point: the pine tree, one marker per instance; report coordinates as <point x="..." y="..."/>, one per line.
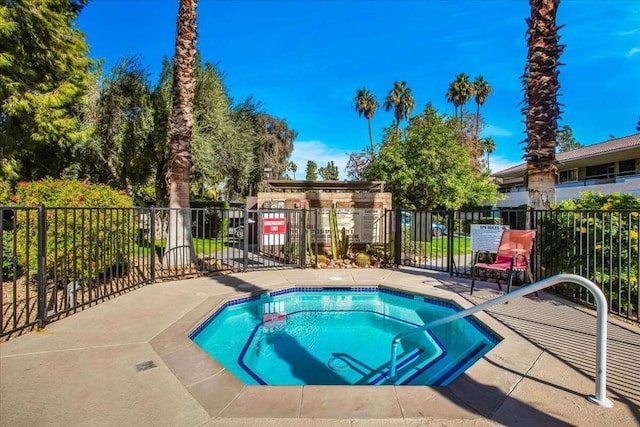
<point x="45" y="73"/>
<point x="312" y="171"/>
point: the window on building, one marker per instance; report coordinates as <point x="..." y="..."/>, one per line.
<point x="568" y="175"/>
<point x="627" y="167"/>
<point x="606" y="170"/>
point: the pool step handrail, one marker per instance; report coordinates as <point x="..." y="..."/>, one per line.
<point x="600" y="396"/>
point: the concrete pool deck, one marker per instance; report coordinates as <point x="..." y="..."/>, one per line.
<point x="88" y="369"/>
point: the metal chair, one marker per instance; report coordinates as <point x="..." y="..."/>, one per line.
<point x="514" y="252"/>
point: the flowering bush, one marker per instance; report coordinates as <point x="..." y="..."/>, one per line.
<point x="89" y="227"/>
<point x="596" y="236"/>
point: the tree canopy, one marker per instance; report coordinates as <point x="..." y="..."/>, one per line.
<point x="45" y="73"/>
<point x="311" y="173"/>
<point x="329" y="172"/>
<point x="430" y="168"/>
<point x="400" y="100"/>
<point x="566" y="140"/>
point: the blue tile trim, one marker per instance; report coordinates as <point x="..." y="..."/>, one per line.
<point x="443" y="378"/>
<point x="486" y="332"/>
<point x="209" y="319"/>
<point x="316" y="289"/>
<point x="206" y="323"/>
<point x="424" y="368"/>
<point x="480" y="327"/>
<point x="403" y="362"/>
<point x="396" y="293"/>
<point x="442" y="303"/>
<point x="244" y="352"/>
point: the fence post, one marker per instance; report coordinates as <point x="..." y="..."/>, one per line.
<point x="152" y="243"/>
<point x="303" y="238"/>
<point x="315" y="234"/>
<point x="398" y="238"/>
<point x="531" y="221"/>
<point x="42" y="267"/>
<point x="450" y="226"/>
<point x="245" y="239"/>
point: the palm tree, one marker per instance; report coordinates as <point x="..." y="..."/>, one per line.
<point x="465" y="91"/>
<point x="481" y="89"/>
<point x="179" y="250"/>
<point x="367" y="104"/>
<point x="460" y="91"/>
<point x="293" y="168"/>
<point x="488" y="146"/>
<point x="541" y="107"/>
<point x="401" y="100"/>
<point x="451" y="97"/>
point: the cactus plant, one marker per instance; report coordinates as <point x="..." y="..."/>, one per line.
<point x="344" y="243"/>
<point x="333" y="230"/>
<point x="307" y="219"/>
<point x="363" y="260"/>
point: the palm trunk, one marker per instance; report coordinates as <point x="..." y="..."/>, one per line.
<point x="478" y="124"/>
<point x="179" y="250"/>
<point x="541" y="105"/>
<point x="542" y="190"/>
<point x="476" y="142"/>
<point x="371" y="140"/>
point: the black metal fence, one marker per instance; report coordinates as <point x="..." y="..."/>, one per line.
<point x="601" y="245"/>
<point x="56" y="261"/>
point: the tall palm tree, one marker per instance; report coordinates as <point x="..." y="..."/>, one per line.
<point x="179" y="248"/>
<point x="293" y="168"/>
<point x="488" y="146"/>
<point x="541" y="107"/>
<point x="451" y="97"/>
<point x="460" y="91"/>
<point x="464" y="90"/>
<point x="481" y="89"/>
<point x="367" y="104"/>
<point x="401" y="100"/>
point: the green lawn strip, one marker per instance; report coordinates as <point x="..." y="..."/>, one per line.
<point x="438" y="246"/>
<point x="201" y="246"/>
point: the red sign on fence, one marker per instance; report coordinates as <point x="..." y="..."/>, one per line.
<point x="274" y="225"/>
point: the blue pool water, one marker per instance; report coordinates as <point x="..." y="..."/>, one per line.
<point x="340" y="336"/>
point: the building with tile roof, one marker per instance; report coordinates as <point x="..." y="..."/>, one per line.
<point x="606" y="167"/>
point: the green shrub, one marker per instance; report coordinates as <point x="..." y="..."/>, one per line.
<point x="10" y="261"/>
<point x="595" y="236"/>
<point x="89" y="228"/>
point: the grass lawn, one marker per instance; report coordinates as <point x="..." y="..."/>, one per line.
<point x="438" y="246"/>
<point x="201" y="246"/>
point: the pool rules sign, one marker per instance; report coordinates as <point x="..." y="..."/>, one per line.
<point x="274" y="229"/>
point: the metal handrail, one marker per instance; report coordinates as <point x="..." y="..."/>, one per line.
<point x="600" y="396"/>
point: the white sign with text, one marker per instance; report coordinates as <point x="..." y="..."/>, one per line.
<point x="361" y="225"/>
<point x="486" y="237"/>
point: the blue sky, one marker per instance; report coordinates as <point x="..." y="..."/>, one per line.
<point x="304" y="60"/>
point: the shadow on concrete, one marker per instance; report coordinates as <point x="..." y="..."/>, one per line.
<point x="571" y="338"/>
